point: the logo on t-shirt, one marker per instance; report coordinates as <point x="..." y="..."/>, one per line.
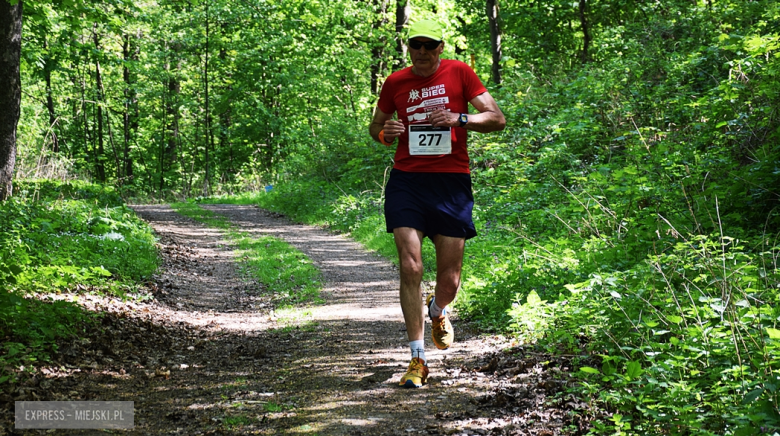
<point x="433" y="91"/>
<point x="427" y="103"/>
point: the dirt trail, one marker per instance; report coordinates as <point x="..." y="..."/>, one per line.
<point x="210" y="355"/>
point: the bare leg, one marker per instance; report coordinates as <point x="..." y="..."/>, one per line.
<point x="449" y="262"/>
<point x="408" y="241"/>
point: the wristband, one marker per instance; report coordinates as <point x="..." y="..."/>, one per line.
<point x="382" y="138"/>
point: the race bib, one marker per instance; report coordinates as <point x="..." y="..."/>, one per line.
<point x="424" y="139"/>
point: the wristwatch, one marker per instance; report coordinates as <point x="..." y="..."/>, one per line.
<point x="464" y="118"/>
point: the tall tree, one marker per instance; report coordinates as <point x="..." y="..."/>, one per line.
<point x="172" y="102"/>
<point x="100" y="167"/>
<point x="377" y="51"/>
<point x="130" y="53"/>
<point x="225" y="110"/>
<point x="585" y="30"/>
<point x="402" y="12"/>
<point x="10" y="90"/>
<point x="209" y="135"/>
<point x="48" y="66"/>
<point x="495" y="40"/>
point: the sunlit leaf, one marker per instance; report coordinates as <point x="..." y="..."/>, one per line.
<point x="633" y="369"/>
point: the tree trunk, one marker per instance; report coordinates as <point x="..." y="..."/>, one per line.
<point x="495" y="40"/>
<point x="130" y="115"/>
<point x="84" y="110"/>
<point x="209" y="136"/>
<point x="585" y="30"/>
<point x="377" y="51"/>
<point x="126" y="111"/>
<point x="100" y="168"/>
<point x="172" y="106"/>
<point x="161" y="156"/>
<point x="402" y="12"/>
<point x="10" y="91"/>
<point x="101" y="101"/>
<point x="55" y="144"/>
<point x="226" y="119"/>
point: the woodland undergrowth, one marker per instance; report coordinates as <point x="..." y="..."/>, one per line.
<point x="59" y="241"/>
<point x="629" y="213"/>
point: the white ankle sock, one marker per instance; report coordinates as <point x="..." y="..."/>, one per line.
<point x="418" y="348"/>
<point x="435" y="311"/>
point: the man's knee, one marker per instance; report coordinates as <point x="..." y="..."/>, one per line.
<point x="448" y="286"/>
<point x="411" y="267"/>
<point x="408" y="241"/>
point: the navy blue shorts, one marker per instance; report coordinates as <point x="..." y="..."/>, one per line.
<point x="434" y="203"/>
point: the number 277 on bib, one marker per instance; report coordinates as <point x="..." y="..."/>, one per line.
<point x="424" y="139"/>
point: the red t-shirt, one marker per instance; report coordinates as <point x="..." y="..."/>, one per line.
<point x="451" y="87"/>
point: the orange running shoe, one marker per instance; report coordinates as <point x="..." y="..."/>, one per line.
<point x="442" y="332"/>
<point x="416" y="375"/>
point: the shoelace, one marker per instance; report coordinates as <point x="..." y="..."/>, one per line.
<point x="415" y="365"/>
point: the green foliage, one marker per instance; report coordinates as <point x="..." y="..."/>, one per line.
<point x="235" y="422"/>
<point x="63" y="237"/>
<point x="629" y="211"/>
<point x="284" y="272"/>
<point x="230" y="89"/>
<point x="692" y="331"/>
<point x="30" y="327"/>
<point x="51" y="190"/>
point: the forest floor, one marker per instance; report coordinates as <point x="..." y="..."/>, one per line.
<point x="210" y="355"/>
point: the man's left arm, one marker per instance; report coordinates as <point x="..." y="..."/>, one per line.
<point x="489" y="119"/>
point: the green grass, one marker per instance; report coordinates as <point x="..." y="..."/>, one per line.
<point x="287" y="274"/>
<point x="234" y="422"/>
<point x="293" y="326"/>
<point x="274" y="407"/>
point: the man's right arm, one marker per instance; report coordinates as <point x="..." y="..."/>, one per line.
<point x="384" y="121"/>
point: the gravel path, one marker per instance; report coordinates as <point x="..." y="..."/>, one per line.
<point x="209" y="355"/>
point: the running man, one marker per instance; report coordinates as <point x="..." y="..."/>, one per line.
<point x="429" y="190"/>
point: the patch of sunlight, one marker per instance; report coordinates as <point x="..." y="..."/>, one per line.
<point x="306" y="428"/>
<point x="292" y="314"/>
<point x="347" y="312"/>
<point x="335" y="402"/>
<point x="344" y="263"/>
<point x="328" y="404"/>
<point x="362" y="422"/>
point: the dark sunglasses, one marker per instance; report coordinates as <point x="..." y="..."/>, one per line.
<point x="430" y="45"/>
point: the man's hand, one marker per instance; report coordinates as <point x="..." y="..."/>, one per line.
<point x="393" y="129"/>
<point x="385" y="122"/>
<point x="442" y="118"/>
<point x="489" y="118"/>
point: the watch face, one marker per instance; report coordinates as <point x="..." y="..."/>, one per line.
<point x="464" y="119"/>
